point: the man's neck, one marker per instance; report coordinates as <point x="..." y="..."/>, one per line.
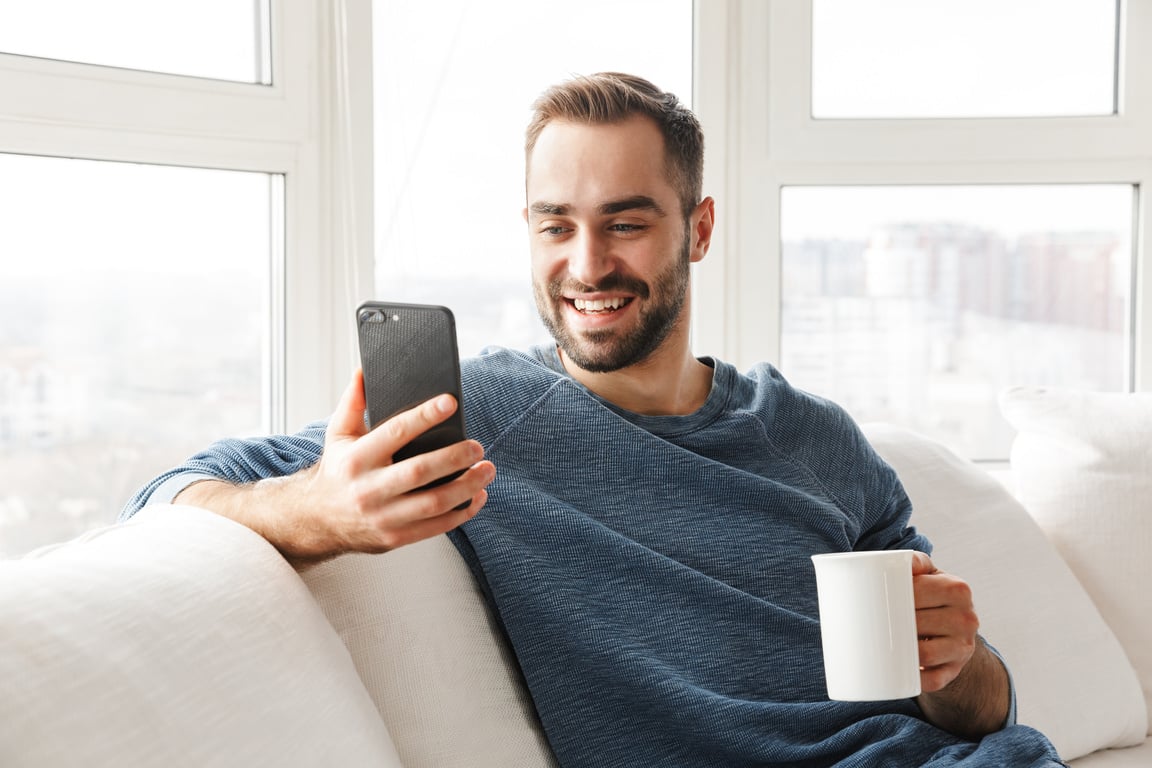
<point x="664" y="384"/>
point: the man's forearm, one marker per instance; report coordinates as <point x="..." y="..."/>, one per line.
<point x="265" y="507"/>
<point x="977" y="702"/>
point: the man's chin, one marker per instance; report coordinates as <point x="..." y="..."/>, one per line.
<point x="600" y="352"/>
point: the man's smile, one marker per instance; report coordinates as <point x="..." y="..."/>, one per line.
<point x="598" y="306"/>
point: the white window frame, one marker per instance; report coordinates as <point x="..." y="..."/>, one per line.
<point x="753" y="77"/>
<point x="312" y="125"/>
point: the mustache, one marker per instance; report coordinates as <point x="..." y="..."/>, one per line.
<point x="613" y="282"/>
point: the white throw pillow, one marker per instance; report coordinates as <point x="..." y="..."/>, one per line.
<point x="1073" y="681"/>
<point x="1082" y="464"/>
<point x="178" y="639"/>
<point x="432" y="658"/>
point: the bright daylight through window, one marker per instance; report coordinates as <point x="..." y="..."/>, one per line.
<point x="132" y="333"/>
<point x="963" y="58"/>
<point x="220" y="39"/>
<point x="454" y="81"/>
<point x="917" y="306"/>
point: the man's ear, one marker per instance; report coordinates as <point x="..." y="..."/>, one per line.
<point x="524" y="213"/>
<point x="702" y="221"/>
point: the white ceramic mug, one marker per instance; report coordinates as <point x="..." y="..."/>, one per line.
<point x="868" y="625"/>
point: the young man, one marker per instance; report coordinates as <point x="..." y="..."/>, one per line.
<point x="646" y="543"/>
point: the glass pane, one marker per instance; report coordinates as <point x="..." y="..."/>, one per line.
<point x="134" y="324"/>
<point x="963" y="58"/>
<point x="454" y="82"/>
<point x="919" y="305"/>
<point x="220" y="39"/>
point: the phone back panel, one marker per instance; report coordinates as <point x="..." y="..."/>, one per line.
<point x="409" y="355"/>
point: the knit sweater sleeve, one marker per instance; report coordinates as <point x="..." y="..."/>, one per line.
<point x="236" y="461"/>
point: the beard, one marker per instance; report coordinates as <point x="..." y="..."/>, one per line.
<point x="604" y="351"/>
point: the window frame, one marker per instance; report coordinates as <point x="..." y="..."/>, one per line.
<point x="753" y="72"/>
<point x="312" y="126"/>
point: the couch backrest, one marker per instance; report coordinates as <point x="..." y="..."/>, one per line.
<point x="1082" y="465"/>
<point x="431" y="657"/>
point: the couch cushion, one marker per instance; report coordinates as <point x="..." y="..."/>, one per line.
<point x="177" y="639"/>
<point x="431" y="657"/>
<point x="1073" y="681"/>
<point x="1129" y="757"/>
<point x="1082" y="464"/>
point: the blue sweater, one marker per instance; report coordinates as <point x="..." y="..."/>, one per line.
<point x="652" y="574"/>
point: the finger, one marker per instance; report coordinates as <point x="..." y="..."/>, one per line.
<point x="426" y="528"/>
<point x="399" y="492"/>
<point x="396" y="432"/>
<point x="937" y="677"/>
<point x="461" y="492"/>
<point x="935" y="622"/>
<point x="348" y="420"/>
<point x="922" y="564"/>
<point x="941" y="590"/>
<point x="454" y="462"/>
<point x="943" y="651"/>
<point x="418" y="471"/>
<point x="429" y="512"/>
<point x="942" y="660"/>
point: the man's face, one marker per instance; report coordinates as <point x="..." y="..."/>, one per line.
<point x="610" y="247"/>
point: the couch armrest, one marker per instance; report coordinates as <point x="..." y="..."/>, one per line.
<point x="178" y="639"/>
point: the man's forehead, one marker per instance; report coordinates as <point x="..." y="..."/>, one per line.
<point x="636" y="130"/>
<point x="598" y="168"/>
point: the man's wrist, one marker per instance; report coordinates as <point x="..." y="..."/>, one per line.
<point x="977" y="702"/>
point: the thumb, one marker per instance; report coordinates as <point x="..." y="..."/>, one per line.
<point x="922" y="564"/>
<point x="348" y="420"/>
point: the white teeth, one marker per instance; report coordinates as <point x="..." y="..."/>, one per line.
<point x="598" y="305"/>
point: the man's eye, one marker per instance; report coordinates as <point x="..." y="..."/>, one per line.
<point x="623" y="227"/>
<point x="554" y="230"/>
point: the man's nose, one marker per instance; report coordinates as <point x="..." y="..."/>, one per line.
<point x="589" y="261"/>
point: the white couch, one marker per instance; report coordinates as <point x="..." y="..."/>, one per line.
<point x="183" y="639"/>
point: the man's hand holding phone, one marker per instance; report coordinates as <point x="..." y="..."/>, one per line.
<point x="357" y="498"/>
<point x="375" y="503"/>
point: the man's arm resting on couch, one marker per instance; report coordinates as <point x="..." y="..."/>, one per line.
<point x="355" y="498"/>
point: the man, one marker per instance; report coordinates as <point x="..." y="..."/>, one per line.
<point x="646" y="543"/>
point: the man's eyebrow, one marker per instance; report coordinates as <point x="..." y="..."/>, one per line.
<point x="634" y="203"/>
<point x="548" y="209"/>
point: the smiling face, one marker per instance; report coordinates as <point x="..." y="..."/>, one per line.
<point x="610" y="247"/>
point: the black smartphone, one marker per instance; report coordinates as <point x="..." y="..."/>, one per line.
<point x="409" y="355"/>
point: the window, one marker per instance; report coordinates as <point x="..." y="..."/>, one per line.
<point x="222" y="39"/>
<point x="911" y="249"/>
<point x="918" y="305"/>
<point x="454" y="82"/>
<point x="963" y="58"/>
<point x="131" y="335"/>
<point x="172" y="268"/>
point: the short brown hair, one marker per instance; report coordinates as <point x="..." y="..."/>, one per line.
<point x="612" y="97"/>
